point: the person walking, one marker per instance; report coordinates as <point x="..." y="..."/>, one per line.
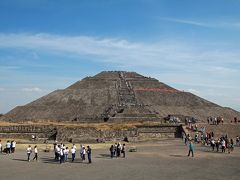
<point x="8" y="147"/>
<point x="191" y="148"/>
<point x="0" y="146"/>
<point x="123" y="150"/>
<point x="35" y="153"/>
<point x="83" y="153"/>
<point x="111" y="151"/>
<point x="237" y="141"/>
<point x="217" y="145"/>
<point x="89" y="153"/>
<point x="119" y="149"/>
<point x="115" y="149"/>
<point x="29" y="151"/>
<point x="213" y="144"/>
<point x="61" y="159"/>
<point x="223" y="143"/>
<point x="13" y="146"/>
<point x="230" y="146"/>
<point x="73" y="151"/>
<point x="66" y="151"/>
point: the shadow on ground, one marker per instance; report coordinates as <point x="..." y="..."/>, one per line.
<point x="106" y="156"/>
<point x="20" y="159"/>
<point x="177" y="155"/>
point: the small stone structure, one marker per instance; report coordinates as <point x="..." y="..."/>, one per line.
<point x="26" y="131"/>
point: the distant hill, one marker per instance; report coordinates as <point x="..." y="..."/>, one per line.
<point x="117" y="96"/>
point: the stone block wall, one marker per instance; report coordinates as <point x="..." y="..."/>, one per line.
<point x="80" y="134"/>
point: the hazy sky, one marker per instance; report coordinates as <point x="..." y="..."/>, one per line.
<point x="192" y="45"/>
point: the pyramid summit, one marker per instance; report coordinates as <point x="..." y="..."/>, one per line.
<point x="117" y="96"/>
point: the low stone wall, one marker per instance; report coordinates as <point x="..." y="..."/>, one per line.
<point x="92" y="135"/>
<point x="80" y="134"/>
<point x="26" y="131"/>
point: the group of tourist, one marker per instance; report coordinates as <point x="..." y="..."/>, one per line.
<point x="235" y="120"/>
<point x="222" y="143"/>
<point x="9" y="147"/>
<point x="29" y="152"/>
<point x="215" y="120"/>
<point x="117" y="149"/>
<point x="62" y="153"/>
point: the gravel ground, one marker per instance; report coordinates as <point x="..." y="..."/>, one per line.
<point x="153" y="160"/>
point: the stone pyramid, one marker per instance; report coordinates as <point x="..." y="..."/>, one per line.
<point x="117" y="96"/>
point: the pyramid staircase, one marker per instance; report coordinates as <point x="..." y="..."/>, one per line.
<point x="128" y="108"/>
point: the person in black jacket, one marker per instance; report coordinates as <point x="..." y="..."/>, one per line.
<point x="89" y="153"/>
<point x="111" y="151"/>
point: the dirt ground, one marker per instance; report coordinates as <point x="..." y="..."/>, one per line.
<point x="166" y="159"/>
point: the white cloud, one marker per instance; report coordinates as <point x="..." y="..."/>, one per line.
<point x="209" y="24"/>
<point x="184" y="21"/>
<point x="34" y="89"/>
<point x="120" y="51"/>
<point x="190" y="64"/>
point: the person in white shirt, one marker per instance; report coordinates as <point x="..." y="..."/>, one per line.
<point x="35" y="153"/>
<point x="0" y="146"/>
<point x="83" y="153"/>
<point x="13" y="146"/>
<point x="213" y="144"/>
<point x="73" y="151"/>
<point x="56" y="152"/>
<point x="61" y="154"/>
<point x="223" y="145"/>
<point x="58" y="149"/>
<point x="8" y="147"/>
<point x="66" y="151"/>
<point x="29" y="151"/>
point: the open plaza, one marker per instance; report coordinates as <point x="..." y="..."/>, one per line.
<point x="164" y="159"/>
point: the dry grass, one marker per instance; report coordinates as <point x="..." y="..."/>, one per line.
<point x="5" y="123"/>
<point x="98" y="126"/>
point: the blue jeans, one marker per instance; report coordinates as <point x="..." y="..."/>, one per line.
<point x="89" y="158"/>
<point x="28" y="156"/>
<point x="73" y="156"/>
<point x="66" y="157"/>
<point x="61" y="159"/>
